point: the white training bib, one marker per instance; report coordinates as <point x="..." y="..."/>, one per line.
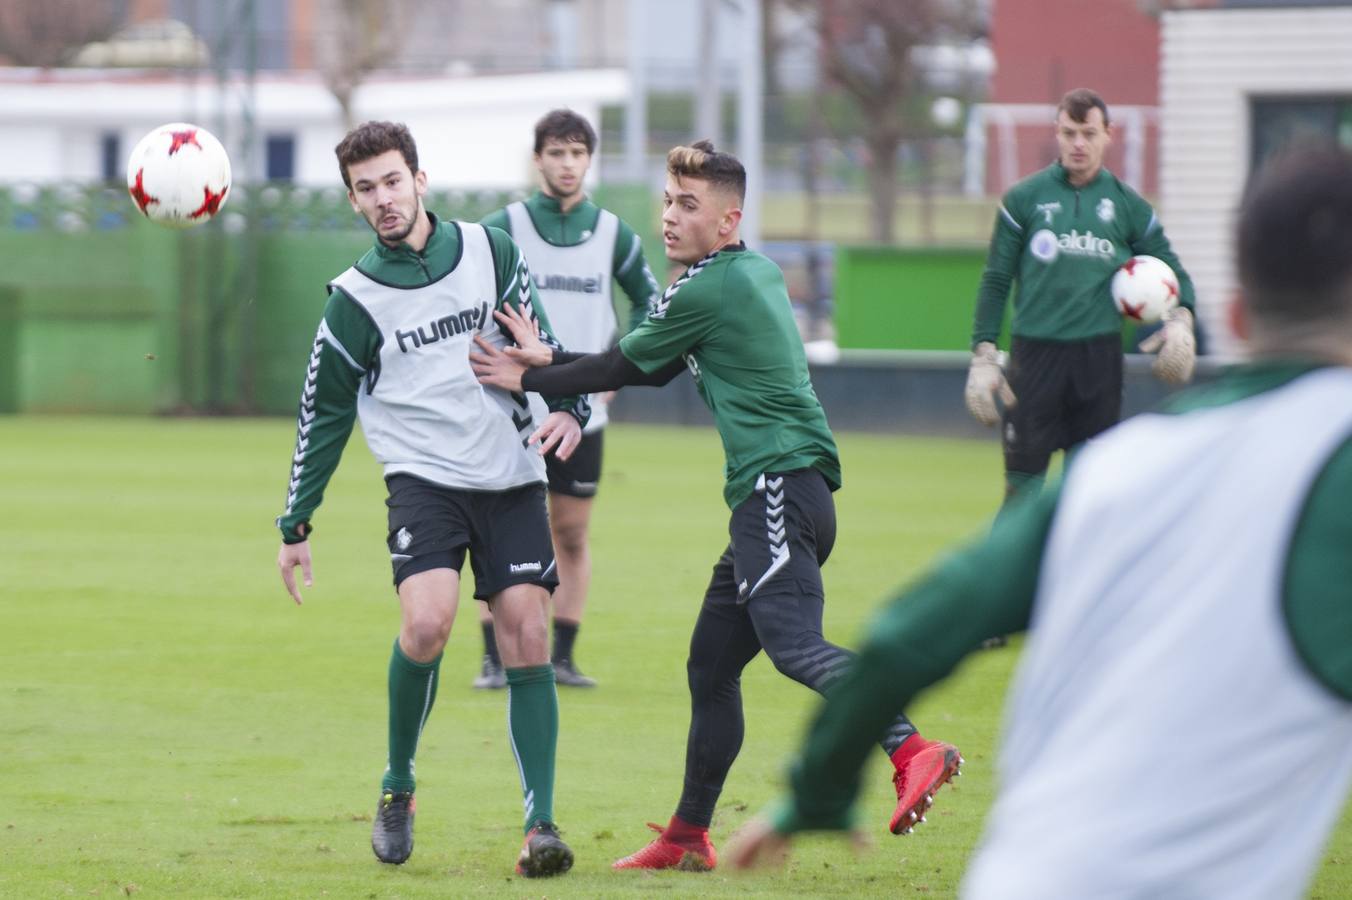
<point x="1154" y="702"/>
<point x="575" y="285"/>
<point x="423" y="411"/>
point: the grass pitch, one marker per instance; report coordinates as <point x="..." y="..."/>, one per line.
<point x="172" y="725"/>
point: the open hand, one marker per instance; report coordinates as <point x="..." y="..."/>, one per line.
<point x="525" y="331"/>
<point x="495" y="367"/>
<point x="560" y="432"/>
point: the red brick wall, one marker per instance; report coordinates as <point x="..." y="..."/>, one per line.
<point x="1044" y="48"/>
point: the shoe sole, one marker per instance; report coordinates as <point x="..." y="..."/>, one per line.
<point x="690" y="861"/>
<point x="546" y="863"/>
<point x="693" y="862"/>
<point x="952" y="768"/>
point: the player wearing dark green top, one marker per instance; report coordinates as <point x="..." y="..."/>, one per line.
<point x="1061" y="234"/>
<point x="576" y="250"/>
<point x="728" y="320"/>
<point x="392" y="349"/>
<point x="1231" y="646"/>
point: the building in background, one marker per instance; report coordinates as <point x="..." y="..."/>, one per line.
<point x="76" y="126"/>
<point x="1237" y="81"/>
<point x="1044" y="48"/>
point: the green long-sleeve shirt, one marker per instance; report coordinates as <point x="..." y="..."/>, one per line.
<point x="1062" y="245"/>
<point x="404" y="360"/>
<point x="989" y="587"/>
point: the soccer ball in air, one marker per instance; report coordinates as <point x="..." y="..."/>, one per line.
<point x="1144" y="289"/>
<point x="179" y="175"/>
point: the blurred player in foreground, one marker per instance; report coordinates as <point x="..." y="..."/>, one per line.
<point x="1181" y="722"/>
<point x="728" y="320"/>
<point x="575" y="250"/>
<point x="393" y="348"/>
<point x="1061" y="234"/>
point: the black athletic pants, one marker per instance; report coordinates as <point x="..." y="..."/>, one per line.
<point x="765" y="594"/>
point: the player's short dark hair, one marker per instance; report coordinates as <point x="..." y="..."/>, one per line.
<point x="701" y="160"/>
<point x="1078" y="102"/>
<point x="1294" y="236"/>
<point x="370" y="139"/>
<point x="567" y="126"/>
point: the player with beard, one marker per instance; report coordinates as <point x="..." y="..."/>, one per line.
<point x="392" y="349"/>
<point x="1061" y="234"/>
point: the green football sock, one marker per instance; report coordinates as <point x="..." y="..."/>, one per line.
<point x="533" y="726"/>
<point x="413" y="690"/>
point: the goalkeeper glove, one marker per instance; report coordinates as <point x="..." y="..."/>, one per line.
<point x="1176" y="346"/>
<point x="986" y="379"/>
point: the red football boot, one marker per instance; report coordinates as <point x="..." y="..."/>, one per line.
<point x="685" y="854"/>
<point x="922" y="768"/>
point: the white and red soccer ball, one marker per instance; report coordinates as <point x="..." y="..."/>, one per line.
<point x="179" y="175"/>
<point x="1144" y="289"/>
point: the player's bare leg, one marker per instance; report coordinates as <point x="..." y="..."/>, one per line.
<point x="569" y="520"/>
<point x="491" y="675"/>
<point x="427" y="602"/>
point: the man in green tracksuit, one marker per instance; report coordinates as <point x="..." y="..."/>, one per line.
<point x="728" y="320"/>
<point x="463" y="477"/>
<point x="1061" y="234"/>
<point x="575" y="250"/>
<point x="1188" y="590"/>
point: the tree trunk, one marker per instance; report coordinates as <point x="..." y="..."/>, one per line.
<point x="708" y="87"/>
<point x="882" y="182"/>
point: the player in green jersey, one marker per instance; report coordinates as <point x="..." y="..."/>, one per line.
<point x="575" y="250"/>
<point x="1170" y="688"/>
<point x="1061" y="234"/>
<point x="728" y="320"/>
<point x="392" y="348"/>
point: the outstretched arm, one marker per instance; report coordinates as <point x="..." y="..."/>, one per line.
<point x="567" y="373"/>
<point x="916" y="641"/>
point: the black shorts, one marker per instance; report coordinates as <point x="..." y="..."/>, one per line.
<point x="779" y="537"/>
<point x="579" y="476"/>
<point x="505" y="532"/>
<point x="1068" y="392"/>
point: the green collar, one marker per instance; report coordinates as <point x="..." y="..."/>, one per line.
<point x="402" y="266"/>
<point x="402" y="250"/>
<point x="1060" y="174"/>
<point x="542" y="202"/>
<point x="1241" y="381"/>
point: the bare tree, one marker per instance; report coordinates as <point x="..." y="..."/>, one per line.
<point x="865" y="52"/>
<point x="358" y="38"/>
<point x="46" y="33"/>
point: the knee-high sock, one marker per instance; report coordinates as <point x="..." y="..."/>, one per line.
<point x="413" y="690"/>
<point x="565" y="633"/>
<point x="533" y="726"/>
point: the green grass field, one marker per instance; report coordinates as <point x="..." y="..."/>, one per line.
<point x="172" y="725"/>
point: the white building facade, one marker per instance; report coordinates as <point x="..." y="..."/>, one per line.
<point x="475" y="132"/>
<point x="1234" y="85"/>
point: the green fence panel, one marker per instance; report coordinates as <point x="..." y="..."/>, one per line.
<point x="93" y="314"/>
<point x="109" y="312"/>
<point x="9" y="349"/>
<point x="906" y="299"/>
<point x="293" y="270"/>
